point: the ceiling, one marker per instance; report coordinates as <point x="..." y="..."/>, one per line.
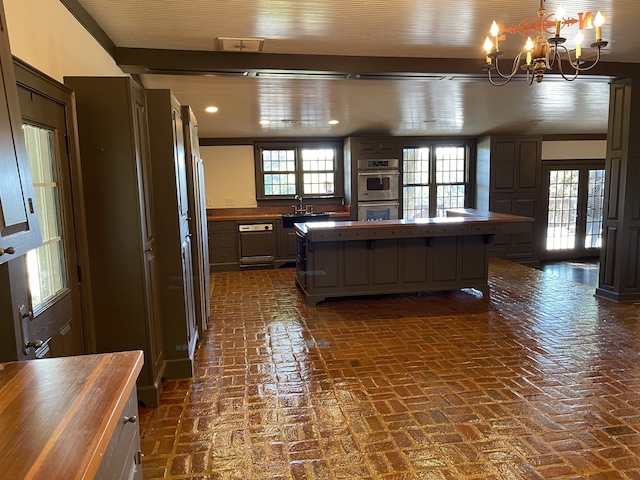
<point x="402" y="67"/>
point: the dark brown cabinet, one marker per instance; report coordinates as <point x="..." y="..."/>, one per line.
<point x="223" y="246"/>
<point x="197" y="219"/>
<point x="121" y="236"/>
<point x="356" y="260"/>
<point x="374" y="146"/>
<point x="508" y="179"/>
<point x="19" y="227"/>
<point x="174" y="239"/>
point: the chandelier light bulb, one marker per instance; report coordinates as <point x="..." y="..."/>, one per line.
<point x="598" y="23"/>
<point x="579" y="39"/>
<point x="528" y="47"/>
<point x="488" y="45"/>
<point x="559" y="15"/>
<point x="494" y="33"/>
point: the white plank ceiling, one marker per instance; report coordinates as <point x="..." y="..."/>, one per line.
<point x="379" y="29"/>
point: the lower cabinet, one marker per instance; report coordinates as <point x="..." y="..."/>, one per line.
<point x="121" y="460"/>
<point x="71" y="418"/>
<point x="223" y="246"/>
<point x="391" y="265"/>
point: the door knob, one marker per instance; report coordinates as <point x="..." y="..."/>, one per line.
<point x="30" y="344"/>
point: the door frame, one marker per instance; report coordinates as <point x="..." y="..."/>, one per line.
<point x="34" y="80"/>
<point x="547" y="166"/>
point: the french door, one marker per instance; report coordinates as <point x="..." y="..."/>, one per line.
<point x="572" y="226"/>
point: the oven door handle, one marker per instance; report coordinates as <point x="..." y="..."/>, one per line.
<point x="380" y="173"/>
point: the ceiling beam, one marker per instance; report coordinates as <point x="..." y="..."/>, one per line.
<point x="192" y="62"/>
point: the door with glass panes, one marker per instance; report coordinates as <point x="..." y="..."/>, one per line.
<point x="53" y="324"/>
<point x="574" y="200"/>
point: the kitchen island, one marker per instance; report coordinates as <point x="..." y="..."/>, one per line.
<point x="337" y="259"/>
<point x="70" y="418"/>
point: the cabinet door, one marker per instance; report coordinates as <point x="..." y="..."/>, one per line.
<point x="19" y="227"/>
<point x="147" y="227"/>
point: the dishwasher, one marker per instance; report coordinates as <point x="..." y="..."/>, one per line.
<point x="257" y="244"/>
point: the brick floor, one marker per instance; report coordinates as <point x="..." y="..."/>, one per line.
<point x="541" y="381"/>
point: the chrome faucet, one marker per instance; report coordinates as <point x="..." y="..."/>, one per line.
<point x="300" y="208"/>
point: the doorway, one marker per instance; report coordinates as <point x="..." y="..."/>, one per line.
<point x="574" y="197"/>
<point x="52" y="325"/>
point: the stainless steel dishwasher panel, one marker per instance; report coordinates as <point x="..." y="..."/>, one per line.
<point x="257" y="244"/>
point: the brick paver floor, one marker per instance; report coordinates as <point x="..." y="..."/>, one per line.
<point x="540" y="381"/>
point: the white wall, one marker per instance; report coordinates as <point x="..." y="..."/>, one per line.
<point x="229" y="174"/>
<point x="574" y="150"/>
<point x="44" y="34"/>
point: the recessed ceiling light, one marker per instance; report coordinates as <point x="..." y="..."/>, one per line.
<point x="334" y="122"/>
<point x="265" y="122"/>
<point x="211" y="109"/>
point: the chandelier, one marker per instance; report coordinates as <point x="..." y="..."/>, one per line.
<point x="544" y="53"/>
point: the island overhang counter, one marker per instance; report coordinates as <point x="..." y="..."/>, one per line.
<point x="352" y="258"/>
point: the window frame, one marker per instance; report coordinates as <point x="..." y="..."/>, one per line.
<point x="469" y="169"/>
<point x="298" y="146"/>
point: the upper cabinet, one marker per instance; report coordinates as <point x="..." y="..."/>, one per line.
<point x="19" y="227"/>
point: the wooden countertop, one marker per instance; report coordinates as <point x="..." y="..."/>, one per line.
<point x="457" y="221"/>
<point x="57" y="415"/>
<point x="261" y="214"/>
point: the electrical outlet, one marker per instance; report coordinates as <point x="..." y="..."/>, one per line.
<point x="210" y="202"/>
<point x="252" y="200"/>
<point x="230" y="201"/>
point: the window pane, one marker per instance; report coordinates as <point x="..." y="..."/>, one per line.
<point x="415" y="165"/>
<point x="449" y="196"/>
<point x="450" y="164"/>
<point x="46" y="264"/>
<point x="595" y="200"/>
<point x="563" y="204"/>
<point x="321" y="177"/>
<point x="415" y="202"/>
<point x="279" y="168"/>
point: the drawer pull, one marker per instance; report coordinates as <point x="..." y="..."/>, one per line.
<point x="131" y="419"/>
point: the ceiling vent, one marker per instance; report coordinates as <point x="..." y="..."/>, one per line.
<point x="228" y="44"/>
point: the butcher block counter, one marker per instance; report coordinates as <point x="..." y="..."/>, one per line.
<point x="336" y="259"/>
<point x="70" y="418"/>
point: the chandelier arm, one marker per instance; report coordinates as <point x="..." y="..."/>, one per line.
<point x="551" y="56"/>
<point x="576" y="71"/>
<point x="595" y="62"/>
<point x="498" y="84"/>
<point x="575" y="68"/>
<point x="516" y="63"/>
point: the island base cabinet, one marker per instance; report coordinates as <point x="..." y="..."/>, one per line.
<point x="400" y="265"/>
<point x="121" y="459"/>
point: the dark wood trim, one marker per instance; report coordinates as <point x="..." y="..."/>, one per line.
<point x="36" y="80"/>
<point x="573" y="137"/>
<point x="194" y="62"/>
<point x="217" y="142"/>
<point x="91" y="26"/>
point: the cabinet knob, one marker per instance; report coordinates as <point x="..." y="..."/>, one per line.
<point x="131" y="419"/>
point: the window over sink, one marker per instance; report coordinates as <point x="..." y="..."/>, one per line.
<point x="303" y="169"/>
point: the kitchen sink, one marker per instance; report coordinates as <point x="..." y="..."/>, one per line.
<point x="288" y="219"/>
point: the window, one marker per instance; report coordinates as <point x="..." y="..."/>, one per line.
<point x="435" y="178"/>
<point x="298" y="169"/>
<point x="46" y="264"/>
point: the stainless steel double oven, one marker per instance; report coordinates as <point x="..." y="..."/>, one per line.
<point x="378" y="189"/>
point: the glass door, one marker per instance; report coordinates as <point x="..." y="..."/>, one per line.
<point x="575" y="196"/>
